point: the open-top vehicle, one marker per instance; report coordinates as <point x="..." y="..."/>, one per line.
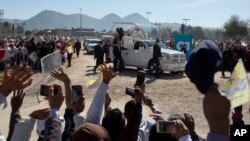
<point x="140" y="54"/>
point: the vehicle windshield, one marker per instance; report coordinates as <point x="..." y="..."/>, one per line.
<point x="162" y="45"/>
<point x="151" y="43"/>
<point x="93" y="42"/>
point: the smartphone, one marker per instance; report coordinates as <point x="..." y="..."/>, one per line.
<point x="76" y="92"/>
<point x="44" y="90"/>
<point x="167" y="127"/>
<point x="140" y="78"/>
<point x="130" y="91"/>
<point x="55" y="90"/>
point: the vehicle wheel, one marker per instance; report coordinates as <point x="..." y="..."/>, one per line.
<point x="87" y="52"/>
<point x="152" y="68"/>
<point x="174" y="72"/>
<point x="181" y="72"/>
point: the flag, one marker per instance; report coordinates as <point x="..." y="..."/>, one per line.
<point x="89" y="83"/>
<point x="237" y="88"/>
<point x="93" y="85"/>
<point x="70" y="49"/>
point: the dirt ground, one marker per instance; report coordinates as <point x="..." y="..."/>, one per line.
<point x="171" y="94"/>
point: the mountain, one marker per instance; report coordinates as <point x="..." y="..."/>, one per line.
<point x="106" y="22"/>
<point x="137" y="18"/>
<point x="173" y="26"/>
<point x="52" y="19"/>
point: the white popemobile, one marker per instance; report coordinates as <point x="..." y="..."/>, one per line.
<point x="139" y="53"/>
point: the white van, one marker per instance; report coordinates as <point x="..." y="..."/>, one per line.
<point x="141" y="57"/>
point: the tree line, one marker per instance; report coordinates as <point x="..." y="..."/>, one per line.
<point x="235" y="28"/>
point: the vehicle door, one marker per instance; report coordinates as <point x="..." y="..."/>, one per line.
<point x="139" y="55"/>
<point x="126" y="50"/>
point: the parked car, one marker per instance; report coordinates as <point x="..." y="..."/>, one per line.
<point x="142" y="56"/>
<point x="90" y="45"/>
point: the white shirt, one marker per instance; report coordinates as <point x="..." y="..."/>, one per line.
<point x="144" y="130"/>
<point x="79" y="119"/>
<point x="95" y="110"/>
<point x="23" y="130"/>
<point x="138" y="34"/>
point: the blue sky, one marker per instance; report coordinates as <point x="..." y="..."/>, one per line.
<point x="207" y="13"/>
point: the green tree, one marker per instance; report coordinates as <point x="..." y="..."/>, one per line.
<point x="197" y="32"/>
<point x="214" y="34"/>
<point x="236" y="28"/>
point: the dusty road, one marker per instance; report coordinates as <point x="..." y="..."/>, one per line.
<point x="170" y="93"/>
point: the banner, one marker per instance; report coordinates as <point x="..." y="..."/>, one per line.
<point x="93" y="85"/>
<point x="70" y="49"/>
<point x="237" y="89"/>
<point x="51" y="62"/>
<point x="182" y="41"/>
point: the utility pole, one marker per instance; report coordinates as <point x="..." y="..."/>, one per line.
<point x="185" y="20"/>
<point x="80" y="18"/>
<point x="148" y="13"/>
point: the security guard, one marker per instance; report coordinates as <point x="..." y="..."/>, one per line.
<point x="98" y="54"/>
<point x="156" y="57"/>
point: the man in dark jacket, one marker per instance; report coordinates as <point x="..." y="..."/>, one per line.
<point x="77" y="47"/>
<point x="156" y="56"/>
<point x="228" y="61"/>
<point x="98" y="54"/>
<point x="247" y="58"/>
<point x="117" y="46"/>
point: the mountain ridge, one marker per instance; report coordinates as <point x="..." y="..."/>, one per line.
<point x="53" y="19"/>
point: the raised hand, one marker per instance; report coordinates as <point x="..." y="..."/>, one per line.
<point x="40" y="114"/>
<point x="148" y="101"/>
<point x="181" y="129"/>
<point x="107" y="73"/>
<point x="216" y="109"/>
<point x="108" y="101"/>
<point x="17" y="80"/>
<point x="60" y="75"/>
<point x="55" y="101"/>
<point x="17" y="100"/>
<point x="139" y="95"/>
<point x="237" y="118"/>
<point x="79" y="105"/>
<point x="189" y="122"/>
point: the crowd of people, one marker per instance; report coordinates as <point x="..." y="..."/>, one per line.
<point x="205" y="60"/>
<point x="232" y="52"/>
<point x="21" y="51"/>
